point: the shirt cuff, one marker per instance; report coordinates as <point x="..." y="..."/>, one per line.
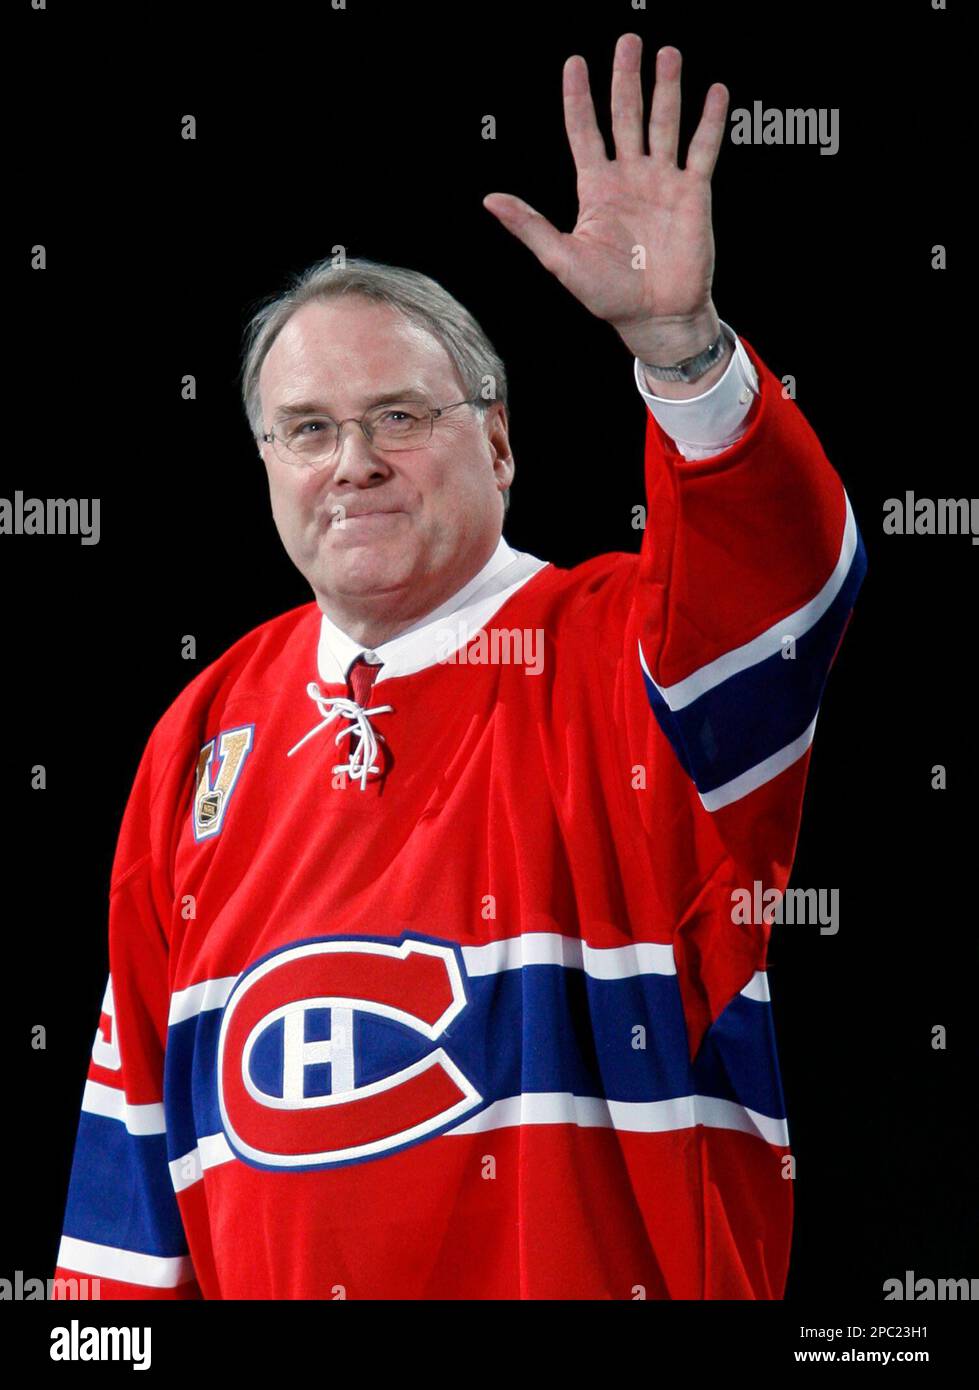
<point x="711" y="422"/>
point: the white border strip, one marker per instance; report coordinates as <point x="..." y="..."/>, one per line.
<point x="111" y="1103"/>
<point x="550" y="948"/>
<point x="757" y="988"/>
<point x="555" y="1108"/>
<point x="767" y="643"/>
<point x="211" y="1151"/>
<point x="510" y="953"/>
<point x="152" y="1271"/>
<point x="636" y="1117"/>
<point x="209" y="994"/>
<point x="761" y="773"/>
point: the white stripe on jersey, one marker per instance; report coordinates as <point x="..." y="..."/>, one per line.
<point x="152" y="1271"/>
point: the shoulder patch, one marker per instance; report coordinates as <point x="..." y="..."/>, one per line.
<point x="219" y="766"/>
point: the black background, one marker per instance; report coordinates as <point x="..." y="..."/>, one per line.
<point x="363" y="128"/>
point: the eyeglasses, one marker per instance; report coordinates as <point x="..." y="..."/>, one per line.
<point x="310" y="441"/>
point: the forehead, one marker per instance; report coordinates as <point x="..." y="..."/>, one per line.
<point x="345" y="350"/>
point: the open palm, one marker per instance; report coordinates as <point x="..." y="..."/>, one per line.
<point x="642" y="249"/>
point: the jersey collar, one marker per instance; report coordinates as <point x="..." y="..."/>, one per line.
<point x="439" y="633"/>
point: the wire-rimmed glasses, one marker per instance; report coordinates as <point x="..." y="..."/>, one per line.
<point x="310" y="441"/>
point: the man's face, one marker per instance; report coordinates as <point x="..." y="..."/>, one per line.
<point x="375" y="531"/>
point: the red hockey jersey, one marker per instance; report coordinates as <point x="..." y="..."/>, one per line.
<point x="479" y="1024"/>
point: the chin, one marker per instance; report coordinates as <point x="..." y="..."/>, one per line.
<point x="363" y="568"/>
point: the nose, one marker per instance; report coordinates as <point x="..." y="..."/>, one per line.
<point x="354" y="459"/>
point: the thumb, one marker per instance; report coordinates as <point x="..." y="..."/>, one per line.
<point x="530" y="227"/>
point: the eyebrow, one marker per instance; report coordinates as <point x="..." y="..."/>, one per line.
<point x="404" y="393"/>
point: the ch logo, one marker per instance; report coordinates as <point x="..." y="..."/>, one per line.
<point x="219" y="766"/>
<point x="329" y="1052"/>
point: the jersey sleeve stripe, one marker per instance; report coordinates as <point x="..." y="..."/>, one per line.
<point x="769" y="642"/>
<point x="758" y="775"/>
<point x="110" y="1102"/>
<point x="137" y="1211"/>
<point x="128" y="1266"/>
<point x="738" y="734"/>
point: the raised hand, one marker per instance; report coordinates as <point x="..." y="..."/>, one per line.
<point x="660" y="298"/>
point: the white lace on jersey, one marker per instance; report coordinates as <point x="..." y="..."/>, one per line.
<point x="360" y="763"/>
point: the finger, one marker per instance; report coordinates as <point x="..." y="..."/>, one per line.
<point x="627" y="131"/>
<point x="664" y="115"/>
<point x="706" y="142"/>
<point x="584" y="136"/>
<point x="530" y="227"/>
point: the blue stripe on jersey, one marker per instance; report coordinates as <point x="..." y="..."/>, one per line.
<point x="755" y="713"/>
<point x="738" y="1059"/>
<point x="540" y="1028"/>
<point x="120" y="1193"/>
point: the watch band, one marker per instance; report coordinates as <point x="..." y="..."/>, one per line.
<point x="689" y="368"/>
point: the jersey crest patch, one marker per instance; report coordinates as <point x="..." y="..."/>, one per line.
<point x="329" y="1052"/>
<point x="219" y="766"/>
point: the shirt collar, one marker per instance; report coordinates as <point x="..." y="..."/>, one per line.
<point x="438" y="633"/>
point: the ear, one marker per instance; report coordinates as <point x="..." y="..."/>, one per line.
<point x="503" y="464"/>
<point x="504" y="468"/>
<point x="498" y="432"/>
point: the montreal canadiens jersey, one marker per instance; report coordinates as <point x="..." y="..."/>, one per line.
<point x="478" y="1022"/>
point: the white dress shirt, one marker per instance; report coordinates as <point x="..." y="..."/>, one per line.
<point x="711" y="422"/>
<point x="699" y="426"/>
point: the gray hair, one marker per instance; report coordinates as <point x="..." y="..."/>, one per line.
<point x="420" y="299"/>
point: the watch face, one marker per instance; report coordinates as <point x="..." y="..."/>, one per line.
<point x="704" y="360"/>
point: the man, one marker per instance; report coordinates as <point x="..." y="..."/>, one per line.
<point x="425" y="976"/>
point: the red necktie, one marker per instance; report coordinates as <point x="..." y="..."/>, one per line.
<point x="359" y="681"/>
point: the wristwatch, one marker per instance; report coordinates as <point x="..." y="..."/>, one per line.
<point x="690" y="368"/>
